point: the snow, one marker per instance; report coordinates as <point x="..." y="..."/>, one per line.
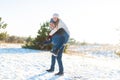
<point x="17" y="63"/>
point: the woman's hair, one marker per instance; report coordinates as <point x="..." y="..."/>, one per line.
<point x="57" y="22"/>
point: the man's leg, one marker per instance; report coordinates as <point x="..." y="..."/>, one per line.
<point x="59" y="60"/>
<point x="52" y="64"/>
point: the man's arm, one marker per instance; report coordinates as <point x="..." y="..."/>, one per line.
<point x="48" y="41"/>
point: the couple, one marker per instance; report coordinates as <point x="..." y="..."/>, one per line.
<point x="58" y="36"/>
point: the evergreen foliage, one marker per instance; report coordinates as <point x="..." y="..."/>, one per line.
<point x="3" y="34"/>
<point x="36" y="43"/>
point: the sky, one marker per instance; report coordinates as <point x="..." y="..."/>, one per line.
<point x="93" y="21"/>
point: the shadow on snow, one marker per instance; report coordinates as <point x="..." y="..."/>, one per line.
<point x="17" y="50"/>
<point x="38" y="77"/>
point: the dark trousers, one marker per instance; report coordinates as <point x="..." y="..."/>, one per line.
<point x="59" y="60"/>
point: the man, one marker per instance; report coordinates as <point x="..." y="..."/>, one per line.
<point x="59" y="36"/>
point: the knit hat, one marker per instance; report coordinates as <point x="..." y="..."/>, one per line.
<point x="55" y="15"/>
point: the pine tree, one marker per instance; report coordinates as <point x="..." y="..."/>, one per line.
<point x="41" y="37"/>
<point x="43" y="32"/>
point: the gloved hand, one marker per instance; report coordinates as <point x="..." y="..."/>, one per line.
<point x="48" y="38"/>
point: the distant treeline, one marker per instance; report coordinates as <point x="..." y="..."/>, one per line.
<point x="13" y="39"/>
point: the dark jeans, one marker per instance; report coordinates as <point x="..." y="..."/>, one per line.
<point x="58" y="43"/>
<point x="59" y="60"/>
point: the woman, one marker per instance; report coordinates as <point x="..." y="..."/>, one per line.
<point x="59" y="24"/>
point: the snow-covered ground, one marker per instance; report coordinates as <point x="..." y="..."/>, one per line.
<point x="26" y="64"/>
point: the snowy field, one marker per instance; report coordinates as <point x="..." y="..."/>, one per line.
<point x="25" y="64"/>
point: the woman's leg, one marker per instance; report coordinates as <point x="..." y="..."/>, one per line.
<point x="66" y="37"/>
<point x="58" y="45"/>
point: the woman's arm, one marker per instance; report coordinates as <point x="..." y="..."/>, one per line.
<point x="53" y="31"/>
